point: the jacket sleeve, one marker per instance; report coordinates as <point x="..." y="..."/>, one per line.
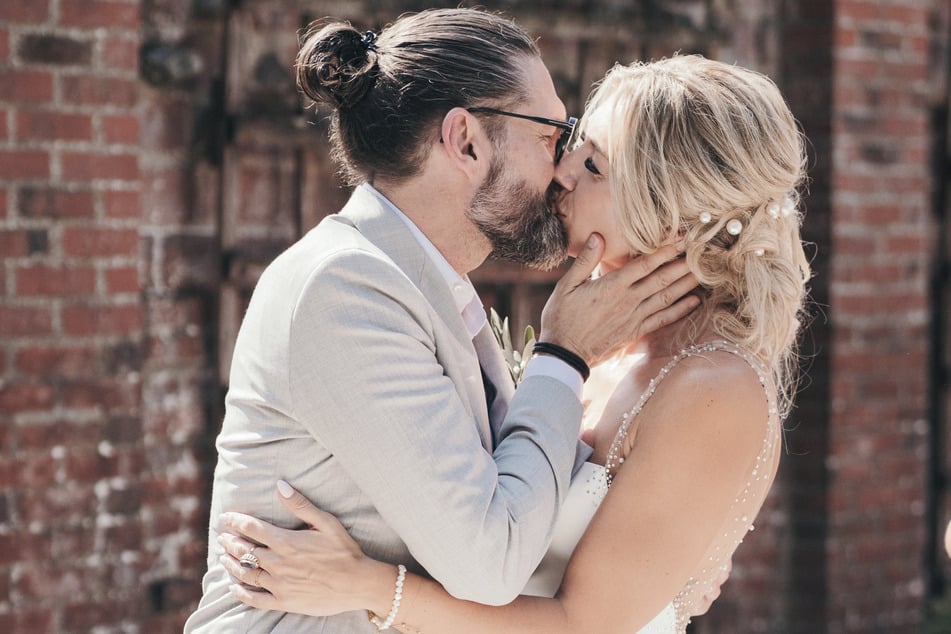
<point x="366" y="381"/>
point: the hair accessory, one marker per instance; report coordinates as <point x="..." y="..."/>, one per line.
<point x="734" y="227"/>
<point x="397" y="599"/>
<point x="759" y="253"/>
<point x="775" y="210"/>
<point x="569" y="357"/>
<point x="368" y="41"/>
<point x="705" y="217"/>
<point x="788" y="207"/>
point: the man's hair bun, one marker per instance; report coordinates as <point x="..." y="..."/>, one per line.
<point x="336" y="65"/>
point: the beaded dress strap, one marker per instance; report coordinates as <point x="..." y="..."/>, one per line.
<point x="614" y="459"/>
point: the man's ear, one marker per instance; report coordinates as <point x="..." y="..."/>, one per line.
<point x="465" y="143"/>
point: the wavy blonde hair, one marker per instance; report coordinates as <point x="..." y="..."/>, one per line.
<point x="689" y="135"/>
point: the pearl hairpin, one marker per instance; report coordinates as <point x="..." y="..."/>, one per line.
<point x="775" y="210"/>
<point x="788" y="206"/>
<point x="734" y="227"/>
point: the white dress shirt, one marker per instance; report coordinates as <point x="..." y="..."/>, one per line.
<point x="470" y="306"/>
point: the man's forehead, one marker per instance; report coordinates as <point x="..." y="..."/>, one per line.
<point x="542" y="97"/>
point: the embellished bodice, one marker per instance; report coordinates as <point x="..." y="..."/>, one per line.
<point x="592" y="482"/>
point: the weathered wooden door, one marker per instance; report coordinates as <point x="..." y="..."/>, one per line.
<point x="277" y="179"/>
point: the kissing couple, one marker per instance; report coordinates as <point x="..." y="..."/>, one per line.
<point x="378" y="468"/>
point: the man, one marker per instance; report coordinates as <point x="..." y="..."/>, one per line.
<point x="364" y="373"/>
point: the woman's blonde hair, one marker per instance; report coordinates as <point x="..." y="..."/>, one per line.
<point x="701" y="148"/>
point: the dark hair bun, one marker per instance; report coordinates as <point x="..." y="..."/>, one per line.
<point x="336" y="66"/>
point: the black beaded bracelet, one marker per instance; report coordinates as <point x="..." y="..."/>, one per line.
<point x="565" y="355"/>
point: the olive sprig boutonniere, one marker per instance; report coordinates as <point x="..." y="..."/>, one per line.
<point x="515" y="360"/>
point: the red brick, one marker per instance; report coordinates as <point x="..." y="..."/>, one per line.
<point x="60" y="50"/>
<point x="45" y="202"/>
<point x="122" y="129"/>
<point x="84" y="617"/>
<point x="120" y="54"/>
<point x="82" y="166"/>
<point x="86" y="465"/>
<point x="912" y="244"/>
<point x="4" y="127"/>
<point x="26" y="86"/>
<point x="106" y="394"/>
<point x="95" y="13"/>
<point x="906" y="15"/>
<point x="55" y="281"/>
<point x="4" y="44"/>
<point x="24" y="11"/>
<point x="21" y="396"/>
<point x="122" y="536"/>
<point x="122" y="280"/>
<point x="95" y="242"/>
<point x="60" y="432"/>
<point x="22" y="321"/>
<point x="53" y="126"/>
<point x="16" y="164"/>
<point x="28" y="619"/>
<point x="39" y="468"/>
<point x="55" y="361"/>
<point x="92" y="90"/>
<point x="13" y="243"/>
<point x="79" y="320"/>
<point x="122" y="204"/>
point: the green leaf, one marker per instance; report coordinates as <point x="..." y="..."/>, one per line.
<point x="529" y="334"/>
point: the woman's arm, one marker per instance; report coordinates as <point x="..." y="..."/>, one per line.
<point x="692" y="453"/>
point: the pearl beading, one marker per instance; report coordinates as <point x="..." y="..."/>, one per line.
<point x="745" y="505"/>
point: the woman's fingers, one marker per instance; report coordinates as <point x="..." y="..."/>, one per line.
<point x="262" y="600"/>
<point x="250" y="527"/>
<point x="642" y="266"/>
<point x="304" y="509"/>
<point x="255" y="578"/>
<point x="236" y="548"/>
<point x="669" y="303"/>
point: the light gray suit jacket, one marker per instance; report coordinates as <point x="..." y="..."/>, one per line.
<point x="355" y="380"/>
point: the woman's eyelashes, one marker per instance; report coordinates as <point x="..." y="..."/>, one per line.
<point x="591" y="167"/>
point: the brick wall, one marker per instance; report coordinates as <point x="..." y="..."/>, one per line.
<point x="881" y="239"/>
<point x="71" y="319"/>
<point x="121" y="188"/>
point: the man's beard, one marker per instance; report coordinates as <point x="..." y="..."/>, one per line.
<point x="519" y="223"/>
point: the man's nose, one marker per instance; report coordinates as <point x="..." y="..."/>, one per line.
<point x="566" y="171"/>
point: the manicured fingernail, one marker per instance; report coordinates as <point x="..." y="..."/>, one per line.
<point x="284" y="489"/>
<point x="592" y="241"/>
<point x="220" y="540"/>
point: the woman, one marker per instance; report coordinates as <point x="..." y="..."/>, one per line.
<point x="686" y="424"/>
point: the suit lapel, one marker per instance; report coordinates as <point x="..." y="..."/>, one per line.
<point x="493" y="363"/>
<point x="389" y="233"/>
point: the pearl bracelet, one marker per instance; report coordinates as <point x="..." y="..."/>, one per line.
<point x="397" y="598"/>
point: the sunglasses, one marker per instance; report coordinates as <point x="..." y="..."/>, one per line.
<point x="567" y="127"/>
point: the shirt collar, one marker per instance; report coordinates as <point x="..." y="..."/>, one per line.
<point x="463" y="292"/>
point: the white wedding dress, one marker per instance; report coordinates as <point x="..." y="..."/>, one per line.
<point x="590" y="486"/>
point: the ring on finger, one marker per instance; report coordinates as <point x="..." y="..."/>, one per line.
<point x="249" y="560"/>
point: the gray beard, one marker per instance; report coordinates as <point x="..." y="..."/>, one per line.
<point x="530" y="234"/>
